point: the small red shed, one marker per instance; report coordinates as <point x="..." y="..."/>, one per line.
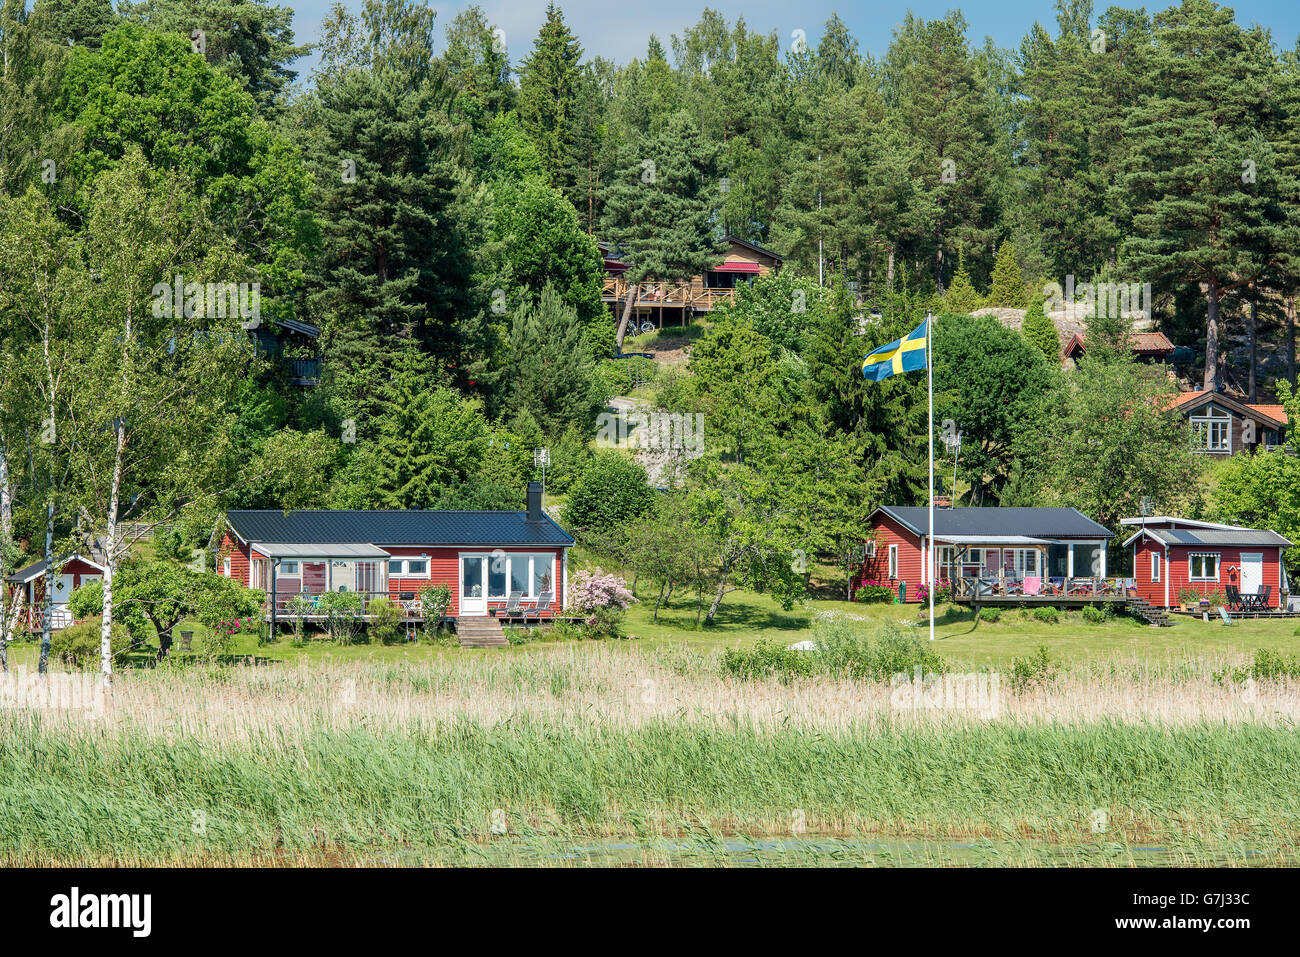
<point x="27" y="587"/>
<point x="1174" y="555"/>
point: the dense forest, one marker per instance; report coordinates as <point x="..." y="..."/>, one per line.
<point x="413" y="229"/>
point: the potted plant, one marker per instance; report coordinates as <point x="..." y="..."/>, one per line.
<point x="1189" y="599"/>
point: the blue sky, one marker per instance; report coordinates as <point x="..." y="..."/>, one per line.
<point x="619" y="30"/>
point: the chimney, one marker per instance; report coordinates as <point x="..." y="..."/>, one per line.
<point x="534" y="501"/>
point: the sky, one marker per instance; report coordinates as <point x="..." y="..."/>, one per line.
<point x="620" y="30"/>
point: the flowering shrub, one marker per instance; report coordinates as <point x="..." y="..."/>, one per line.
<point x="873" y="591"/>
<point x="601" y="599"/>
<point x="942" y="592"/>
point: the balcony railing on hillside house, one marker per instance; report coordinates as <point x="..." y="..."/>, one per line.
<point x="692" y="295"/>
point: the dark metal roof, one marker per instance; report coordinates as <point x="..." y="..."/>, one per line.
<point x="1218" y="536"/>
<point x="1034" y="522"/>
<point x="326" y="527"/>
<point x="37" y="569"/>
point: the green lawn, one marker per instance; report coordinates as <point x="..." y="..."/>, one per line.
<point x="745" y="618"/>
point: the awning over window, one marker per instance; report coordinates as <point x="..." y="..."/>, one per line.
<point x="1011" y="540"/>
<point x="320" y="551"/>
<point x="738" y="265"/>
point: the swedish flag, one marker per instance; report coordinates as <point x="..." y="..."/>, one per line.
<point x="901" y="355"/>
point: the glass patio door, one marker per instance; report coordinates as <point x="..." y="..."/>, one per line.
<point x="473" y="584"/>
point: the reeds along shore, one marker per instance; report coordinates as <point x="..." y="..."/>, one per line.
<point x="330" y="763"/>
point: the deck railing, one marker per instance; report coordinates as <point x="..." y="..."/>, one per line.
<point x="1007" y="586"/>
<point x="676" y="294"/>
<point x="318" y="605"/>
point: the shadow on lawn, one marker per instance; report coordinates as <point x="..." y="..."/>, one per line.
<point x="736" y="617"/>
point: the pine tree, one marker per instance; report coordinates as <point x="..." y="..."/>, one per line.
<point x="1008" y="288"/>
<point x="661" y="209"/>
<point x="1199" y="176"/>
<point x="1041" y="331"/>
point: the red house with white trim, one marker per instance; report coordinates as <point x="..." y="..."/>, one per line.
<point x="484" y="557"/>
<point x="1172" y="555"/>
<point x="26" y="587"/>
<point x="1019" y="543"/>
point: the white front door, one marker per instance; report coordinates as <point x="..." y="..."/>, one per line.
<point x="1252" y="572"/>
<point x="62" y="589"/>
<point x="473" y="585"/>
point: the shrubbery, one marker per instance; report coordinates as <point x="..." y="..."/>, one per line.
<point x="841" y="652"/>
<point x="78" y="645"/>
<point x="871" y="592"/>
<point x="1047" y="615"/>
<point x="990" y="615"/>
<point x="611" y="491"/>
<point x="1035" y="669"/>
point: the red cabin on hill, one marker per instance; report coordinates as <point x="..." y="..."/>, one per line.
<point x="1174" y="555"/>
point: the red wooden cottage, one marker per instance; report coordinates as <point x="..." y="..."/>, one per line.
<point x="485" y="557"/>
<point x="25" y="590"/>
<point x="1022" y="543"/>
<point x="1173" y="555"/>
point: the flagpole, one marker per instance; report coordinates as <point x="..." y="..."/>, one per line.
<point x="929" y="375"/>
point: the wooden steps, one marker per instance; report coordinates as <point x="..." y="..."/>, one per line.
<point x="1148" y="613"/>
<point x="480" y="632"/>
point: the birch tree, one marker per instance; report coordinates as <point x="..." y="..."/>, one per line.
<point x="157" y="368"/>
<point x="34" y="296"/>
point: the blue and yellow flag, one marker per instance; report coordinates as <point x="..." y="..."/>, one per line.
<point x="901" y="355"/>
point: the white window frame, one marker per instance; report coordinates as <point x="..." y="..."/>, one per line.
<point x="532" y="558"/>
<point x="893" y="562"/>
<point x="405" y="562"/>
<point x="291" y="568"/>
<point x="1203" y="577"/>
<point x="225" y="566"/>
<point x="1202" y="433"/>
<point x="1019" y="565"/>
<point x="1155" y="567"/>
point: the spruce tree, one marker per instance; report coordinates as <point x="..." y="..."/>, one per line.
<point x="548" y="85"/>
<point x="1041" y="331"/>
<point x="1008" y="288"/>
<point x="961" y="296"/>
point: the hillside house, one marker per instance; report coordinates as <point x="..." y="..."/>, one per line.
<point x="681" y="301"/>
<point x="1223" y="425"/>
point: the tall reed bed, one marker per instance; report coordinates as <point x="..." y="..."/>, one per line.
<point x="523" y="758"/>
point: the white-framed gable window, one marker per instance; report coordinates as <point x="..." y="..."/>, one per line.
<point x="408" y="568"/>
<point x="1203" y="566"/>
<point x="1155" y="566"/>
<point x="1211" y="432"/>
<point x="893" y="561"/>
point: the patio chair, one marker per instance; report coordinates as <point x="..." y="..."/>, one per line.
<point x="1264" y="598"/>
<point x="1054" y="586"/>
<point x="543" y="604"/>
<point x="1225" y="617"/>
<point x="514" y="607"/>
<point x="1235" y="599"/>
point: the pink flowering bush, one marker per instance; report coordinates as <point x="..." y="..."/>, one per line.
<point x="601" y="599"/>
